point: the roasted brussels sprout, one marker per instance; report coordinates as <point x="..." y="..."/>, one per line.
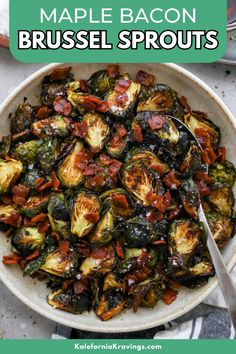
<point x="111" y="282"/>
<point x="102" y="233"/>
<point x="121" y="204"/>
<point x="28" y="239"/>
<point x="67" y="300"/>
<point x="6" y="212"/>
<point x="69" y="174"/>
<point x="149" y="291"/>
<point x="97" y="131"/>
<point x="122" y="104"/>
<point x="192" y="162"/>
<point x="22" y="119"/>
<point x="47" y="154"/>
<point x="221" y="226"/>
<point x="183" y="238"/>
<point x="55" y="126"/>
<point x="27" y="152"/>
<point x="57" y="207"/>
<point x="159" y="129"/>
<point x="30" y="178"/>
<point x="190" y="197"/>
<point x="223" y="173"/>
<point x="159" y="98"/>
<point x="102" y="260"/>
<point x="138" y="180"/>
<point x="138" y="232"/>
<point x="194" y="276"/>
<point x="35" y="205"/>
<point x="50" y="91"/>
<point x="207" y="132"/>
<point x="61" y="264"/>
<point x="148" y="159"/>
<point x="84" y="214"/>
<point x="110" y="305"/>
<point x="10" y="171"/>
<point x="100" y="83"/>
<point x="221" y="199"/>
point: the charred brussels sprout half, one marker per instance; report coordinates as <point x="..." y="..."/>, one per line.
<point x="30" y="178"/>
<point x="183" y="238"/>
<point x="195" y="275"/>
<point x="6" y="212"/>
<point x="61" y="264"/>
<point x="27" y="152"/>
<point x="121" y="107"/>
<point x="22" y="119"/>
<point x="85" y="211"/>
<point x="223" y="173"/>
<point x="47" y="154"/>
<point x="159" y="98"/>
<point x="207" y="132"/>
<point x="149" y="291"/>
<point x="102" y="261"/>
<point x="10" y="171"/>
<point x="148" y="159"/>
<point x="28" y="239"/>
<point x="221" y="199"/>
<point x="50" y="91"/>
<point x="100" y="83"/>
<point x="57" y="207"/>
<point x="110" y="305"/>
<point x="35" y="205"/>
<point x="190" y="197"/>
<point x="97" y="131"/>
<point x="55" y="126"/>
<point x="70" y="175"/>
<point x="68" y="301"/>
<point x="192" y="162"/>
<point x="138" y="181"/>
<point x="118" y="202"/>
<point x="138" y="232"/>
<point x="221" y="226"/>
<point x="102" y="233"/>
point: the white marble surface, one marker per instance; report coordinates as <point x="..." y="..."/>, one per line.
<point x="16" y="319"/>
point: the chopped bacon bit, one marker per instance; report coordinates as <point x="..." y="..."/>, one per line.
<point x="173" y="284"/>
<point x="159" y="242"/>
<point x="121" y="99"/>
<point x="156" y="122"/>
<point x="80" y="286"/>
<point x="80" y="129"/>
<point x="14" y="219"/>
<point x="203" y="189"/>
<point x="43" y="227"/>
<point x="209" y="156"/>
<point x="20" y="190"/>
<point x="83" y="86"/>
<point x="43" y="112"/>
<point x="169" y="295"/>
<point x="158" y="168"/>
<point x="60" y="74"/>
<point x="92" y="217"/>
<point x="171" y="180"/>
<point x="121" y="130"/>
<point x="55" y="235"/>
<point x="202" y="176"/>
<point x="55" y="181"/>
<point x="62" y="106"/>
<point x="65" y="284"/>
<point x="119" y="250"/>
<point x="6" y="199"/>
<point x="64" y="246"/>
<point x="120" y="201"/>
<point x="96" y="181"/>
<point x="96" y="104"/>
<point x="137" y="133"/>
<point x="33" y="255"/>
<point x="174" y="213"/>
<point x="39" y="218"/>
<point x="28" y="222"/>
<point x="144" y="78"/>
<point x="151" y="217"/>
<point x="92" y="169"/>
<point x="221" y="156"/>
<point x="203" y="137"/>
<point x="122" y="86"/>
<point x="105" y="160"/>
<point x="11" y="259"/>
<point x="113" y="71"/>
<point x="99" y="252"/>
<point x="160" y="216"/>
<point x="45" y="186"/>
<point x="38" y="182"/>
<point x="184" y="103"/>
<point x="160" y="202"/>
<point x="83" y="158"/>
<point x="18" y="200"/>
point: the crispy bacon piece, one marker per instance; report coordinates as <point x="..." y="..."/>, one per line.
<point x="83" y="86"/>
<point x="64" y="246"/>
<point x="92" y="217"/>
<point x="184" y="103"/>
<point x="156" y="122"/>
<point x="162" y="203"/>
<point x="221" y="156"/>
<point x="96" y="181"/>
<point x="120" y="201"/>
<point x="41" y="184"/>
<point x="39" y="218"/>
<point x="105" y="160"/>
<point x="202" y="176"/>
<point x="11" y="259"/>
<point x="137" y="134"/>
<point x="122" y="86"/>
<point x="96" y="104"/>
<point x="43" y="227"/>
<point x="83" y="158"/>
<point x="100" y="252"/>
<point x="14" y="219"/>
<point x="113" y="71"/>
<point x="43" y="112"/>
<point x="60" y="74"/>
<point x="80" y="285"/>
<point x="209" y="156"/>
<point x="144" y="78"/>
<point x="92" y="169"/>
<point x="121" y="99"/>
<point x="169" y="295"/>
<point x="171" y="180"/>
<point x="203" y="189"/>
<point x="80" y="129"/>
<point x="119" y="250"/>
<point x="151" y="216"/>
<point x="55" y="181"/>
<point x="62" y="106"/>
<point x="20" y="190"/>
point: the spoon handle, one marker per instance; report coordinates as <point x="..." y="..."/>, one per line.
<point x="227" y="287"/>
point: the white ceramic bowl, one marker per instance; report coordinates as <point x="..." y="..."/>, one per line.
<point x="32" y="292"/>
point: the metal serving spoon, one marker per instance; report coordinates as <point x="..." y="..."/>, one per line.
<point x="227" y="287"/>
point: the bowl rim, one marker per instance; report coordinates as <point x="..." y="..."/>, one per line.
<point x="141" y="326"/>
